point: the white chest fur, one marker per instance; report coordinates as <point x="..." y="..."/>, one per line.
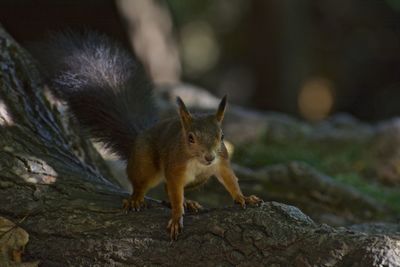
<point x="195" y="169"/>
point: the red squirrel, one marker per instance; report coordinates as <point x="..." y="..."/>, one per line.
<point x="109" y="94"/>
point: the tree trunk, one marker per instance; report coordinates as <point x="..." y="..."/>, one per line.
<point x="54" y="185"/>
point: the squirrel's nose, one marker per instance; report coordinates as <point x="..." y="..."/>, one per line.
<point x="209" y="158"/>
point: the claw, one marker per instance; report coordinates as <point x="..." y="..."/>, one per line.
<point x="126" y="206"/>
<point x="251" y="200"/>
<point x="133" y="204"/>
<point x="254" y="200"/>
<point x="192" y="206"/>
<point x="175" y="227"/>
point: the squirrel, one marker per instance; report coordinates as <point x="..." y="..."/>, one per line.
<point x="108" y="92"/>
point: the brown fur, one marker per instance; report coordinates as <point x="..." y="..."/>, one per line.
<point x="176" y="151"/>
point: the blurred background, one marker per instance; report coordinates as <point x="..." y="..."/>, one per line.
<point x="309" y="58"/>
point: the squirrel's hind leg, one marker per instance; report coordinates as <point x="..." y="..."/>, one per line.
<point x="189" y="205"/>
<point x="192" y="206"/>
<point x="141" y="184"/>
<point x="143" y="175"/>
<point x="136" y="201"/>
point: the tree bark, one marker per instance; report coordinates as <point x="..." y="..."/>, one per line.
<point x="54" y="185"/>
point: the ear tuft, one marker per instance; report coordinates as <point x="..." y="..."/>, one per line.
<point x="221" y="109"/>
<point x="184" y="114"/>
<point x="179" y="101"/>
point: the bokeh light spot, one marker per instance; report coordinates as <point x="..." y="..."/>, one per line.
<point x="200" y="49"/>
<point x="316" y="99"/>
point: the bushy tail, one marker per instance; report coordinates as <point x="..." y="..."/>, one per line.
<point x="104" y="87"/>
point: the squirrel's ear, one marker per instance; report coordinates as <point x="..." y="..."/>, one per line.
<point x="186" y="118"/>
<point x="221" y="109"/>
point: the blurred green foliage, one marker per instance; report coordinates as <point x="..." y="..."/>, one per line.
<point x="346" y="162"/>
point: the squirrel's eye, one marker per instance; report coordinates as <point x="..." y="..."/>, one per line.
<point x="191" y="138"/>
<point x="222" y="137"/>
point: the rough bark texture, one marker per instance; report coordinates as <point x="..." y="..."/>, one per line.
<point x="50" y="187"/>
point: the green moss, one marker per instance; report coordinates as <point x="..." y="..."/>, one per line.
<point x="387" y="195"/>
<point x="346" y="162"/>
<point x="326" y="158"/>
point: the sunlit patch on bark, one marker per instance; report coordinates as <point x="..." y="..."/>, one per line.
<point x="5" y="118"/>
<point x="36" y="171"/>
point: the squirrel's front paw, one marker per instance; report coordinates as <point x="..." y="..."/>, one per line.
<point x="133" y="203"/>
<point x="175" y="226"/>
<point x="252" y="200"/>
